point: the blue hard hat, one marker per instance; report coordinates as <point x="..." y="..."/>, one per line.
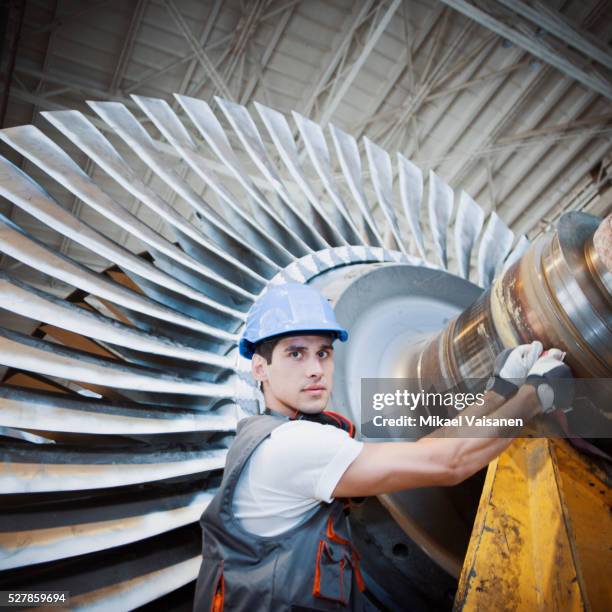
<point x="287" y="309"/>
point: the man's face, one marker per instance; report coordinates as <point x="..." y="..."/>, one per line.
<point x="300" y="375"/>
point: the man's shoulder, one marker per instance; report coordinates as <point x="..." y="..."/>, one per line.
<point x="273" y="429"/>
<point x="271" y="423"/>
<point x="309" y="433"/>
<point x="251" y="432"/>
<point x="257" y="424"/>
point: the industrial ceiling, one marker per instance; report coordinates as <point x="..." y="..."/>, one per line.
<point x="509" y="101"/>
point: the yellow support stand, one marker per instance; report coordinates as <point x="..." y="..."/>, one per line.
<point x="542" y="539"/>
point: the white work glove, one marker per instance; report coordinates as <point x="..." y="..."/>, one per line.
<point x="511" y="367"/>
<point x="552" y="380"/>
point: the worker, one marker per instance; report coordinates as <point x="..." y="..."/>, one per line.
<point x="276" y="534"/>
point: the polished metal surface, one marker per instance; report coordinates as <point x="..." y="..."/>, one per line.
<point x="554" y="293"/>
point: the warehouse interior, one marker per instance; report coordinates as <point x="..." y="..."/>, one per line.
<point x="404" y="157"/>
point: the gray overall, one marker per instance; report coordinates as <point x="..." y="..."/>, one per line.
<point x="312" y="566"/>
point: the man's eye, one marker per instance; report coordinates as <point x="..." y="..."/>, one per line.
<point x="323" y="354"/>
<point x="295" y="354"/>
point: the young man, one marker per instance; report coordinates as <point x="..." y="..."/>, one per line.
<point x="276" y="535"/>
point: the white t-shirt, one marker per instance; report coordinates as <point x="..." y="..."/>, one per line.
<point x="290" y="474"/>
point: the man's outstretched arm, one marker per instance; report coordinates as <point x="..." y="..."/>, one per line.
<point x="432" y="461"/>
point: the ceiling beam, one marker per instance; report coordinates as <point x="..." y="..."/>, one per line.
<point x="511" y="148"/>
<point x="592" y="194"/>
<point x="555" y="23"/>
<point x="257" y="77"/>
<point x="200" y="54"/>
<point x="65" y="18"/>
<point x="245" y="29"/>
<point x="128" y="44"/>
<point x="415" y="152"/>
<point x="517" y="110"/>
<point x="536" y="47"/>
<point x="339" y="47"/>
<point x="428" y="81"/>
<point x="494" y="75"/>
<point x="541" y="167"/>
<point x="235" y="45"/>
<point x="210" y="21"/>
<point x="559" y="128"/>
<point x="512" y="105"/>
<point x="403" y="63"/>
<point x="152" y="75"/>
<point x="67" y="80"/>
<point x="588" y="156"/>
<point x="373" y="37"/>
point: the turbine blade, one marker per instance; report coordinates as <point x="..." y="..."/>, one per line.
<point x="382" y="178"/>
<point x="494" y="246"/>
<point x="411" y="196"/>
<point x="468" y="223"/>
<point x="244" y="126"/>
<point x="440" y="208"/>
<point x="350" y="163"/>
<point x="279" y="131"/>
<point x="316" y="147"/>
<point x="522" y="244"/>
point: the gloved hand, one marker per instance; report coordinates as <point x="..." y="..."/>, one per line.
<point x="511" y="367"/>
<point x="553" y="381"/>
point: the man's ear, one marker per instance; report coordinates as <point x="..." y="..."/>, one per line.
<point x="259" y="368"/>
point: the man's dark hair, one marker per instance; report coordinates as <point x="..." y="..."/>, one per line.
<point x="266" y="348"/>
